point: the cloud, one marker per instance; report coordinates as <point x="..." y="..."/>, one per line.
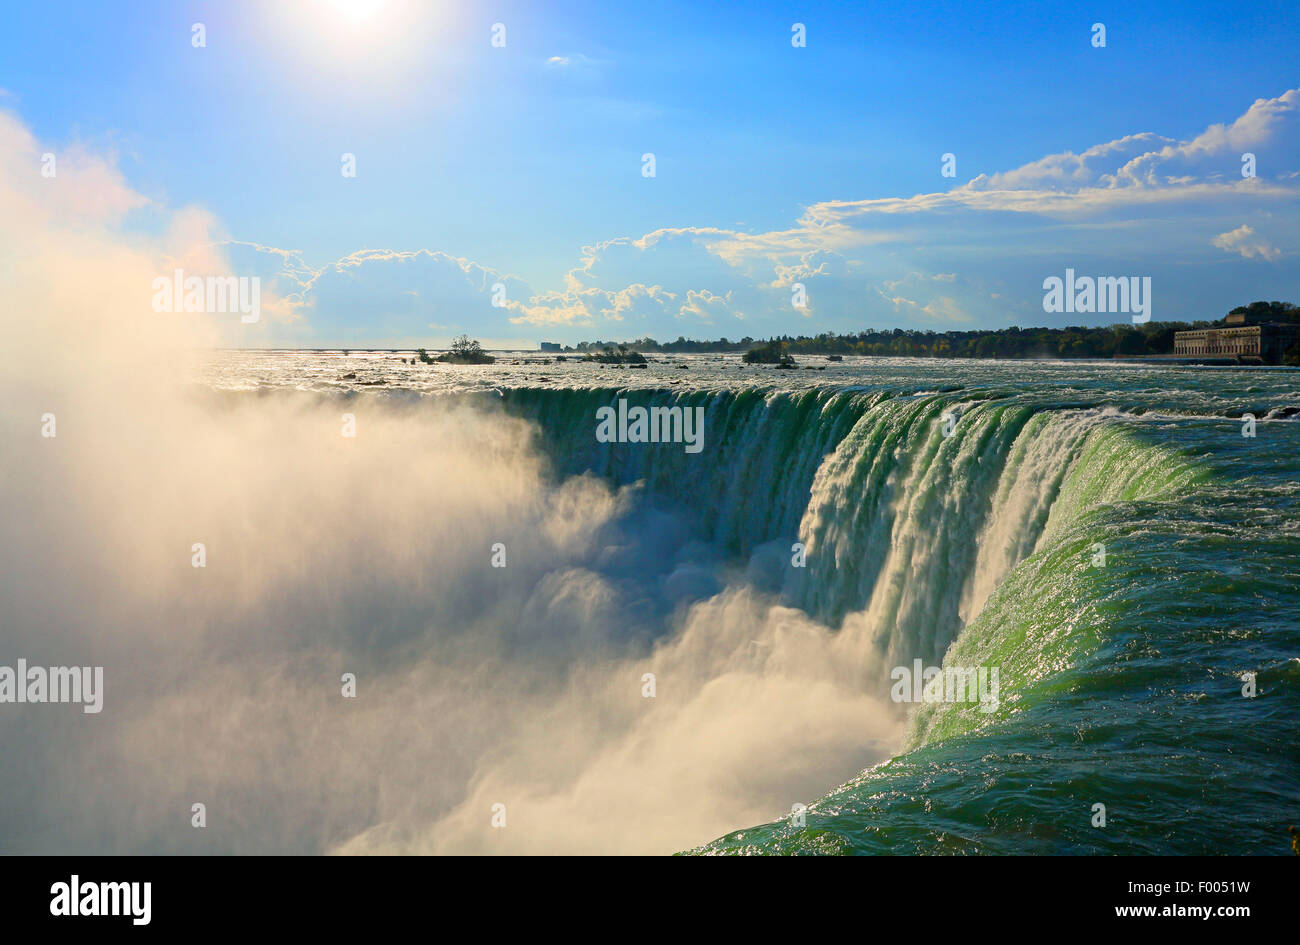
<point x="940" y="309"/>
<point x="1137" y="171"/>
<point x="707" y="307"/>
<point x="975" y="254"/>
<point x="1243" y="240"/>
<point x="576" y="59"/>
<point x="378" y="297"/>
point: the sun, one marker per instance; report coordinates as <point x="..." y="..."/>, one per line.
<point x="377" y="39"/>
<point x="357" y="11"/>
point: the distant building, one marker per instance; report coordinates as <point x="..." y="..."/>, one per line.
<point x="551" y="346"/>
<point x="1241" y="338"/>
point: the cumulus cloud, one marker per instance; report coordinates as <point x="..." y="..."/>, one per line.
<point x="1137" y="171"/>
<point x="1244" y="241"/>
<point x="979" y="250"/>
<point x="707" y="307"/>
<point x="975" y="254"/>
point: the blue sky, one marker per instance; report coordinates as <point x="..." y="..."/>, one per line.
<point x="775" y="165"/>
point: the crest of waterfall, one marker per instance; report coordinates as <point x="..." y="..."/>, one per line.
<point x="912" y="509"/>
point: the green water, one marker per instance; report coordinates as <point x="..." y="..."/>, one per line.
<point x="1121" y="675"/>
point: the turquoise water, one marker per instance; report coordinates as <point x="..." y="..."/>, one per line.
<point x="1105" y="535"/>
<point x="1121" y="683"/>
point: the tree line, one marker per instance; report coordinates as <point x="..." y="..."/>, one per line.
<point x="1110" y="341"/>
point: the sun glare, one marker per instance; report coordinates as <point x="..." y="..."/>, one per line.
<point x="357" y="11"/>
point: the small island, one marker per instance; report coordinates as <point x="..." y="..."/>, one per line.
<point x="464" y="350"/>
<point x="620" y="355"/>
<point x="774" y="352"/>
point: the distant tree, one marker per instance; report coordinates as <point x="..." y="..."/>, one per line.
<point x="466" y="350"/>
<point x="620" y="355"/>
<point x="774" y="352"/>
<point x="1131" y="343"/>
<point x="1268" y="311"/>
